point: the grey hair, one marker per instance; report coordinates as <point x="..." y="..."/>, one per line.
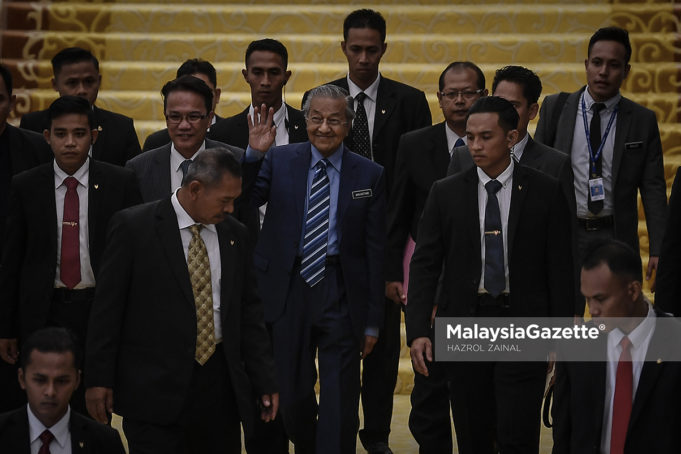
<point x="210" y="165"/>
<point x="333" y="92"/>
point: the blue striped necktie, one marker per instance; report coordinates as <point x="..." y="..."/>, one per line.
<point x="316" y="227"/>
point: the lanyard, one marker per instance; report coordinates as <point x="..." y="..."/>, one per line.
<point x="588" y="136"/>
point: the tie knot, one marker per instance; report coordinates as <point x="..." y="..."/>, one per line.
<point x="459" y="143"/>
<point x="185" y="166"/>
<point x="492" y="186"/>
<point x="323" y="164"/>
<point x="625" y="343"/>
<point x="360" y="97"/>
<point x="597" y="107"/>
<point x="46" y="437"/>
<point x="70" y="183"/>
<point x="196" y="229"/>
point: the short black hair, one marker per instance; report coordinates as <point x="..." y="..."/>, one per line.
<point x="461" y="65"/>
<point x="6" y="75"/>
<point x="72" y="55"/>
<point x="68" y="104"/>
<point x="50" y="340"/>
<point x="508" y="116"/>
<point x="209" y="166"/>
<point x="198" y="66"/>
<point x="267" y="45"/>
<point x="188" y="83"/>
<point x="617" y="34"/>
<point x="522" y="76"/>
<point x="623" y="261"/>
<point x="364" y="18"/>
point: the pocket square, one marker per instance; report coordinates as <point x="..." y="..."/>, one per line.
<point x="362" y="194"/>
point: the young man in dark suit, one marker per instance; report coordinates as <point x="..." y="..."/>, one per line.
<point x="614" y="158"/>
<point x="50" y="373"/>
<point x="58" y="216"/>
<point x="629" y="400"/>
<point x="205" y="71"/>
<point x="496" y="233"/>
<point x="178" y="346"/>
<point x="76" y="73"/>
<point x="422" y="157"/>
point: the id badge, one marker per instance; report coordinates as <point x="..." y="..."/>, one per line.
<point x="596" y="189"/>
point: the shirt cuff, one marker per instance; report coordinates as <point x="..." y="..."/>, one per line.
<point x="252" y="155"/>
<point x="371" y="331"/>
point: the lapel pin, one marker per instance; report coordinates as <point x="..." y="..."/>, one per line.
<point x="96" y="186"/>
<point x="383" y="111"/>
<point x="231" y="242"/>
<point x="520" y="187"/>
<point x="295" y="126"/>
<point x="659" y="360"/>
<point x="99" y="128"/>
<point x="81" y="444"/>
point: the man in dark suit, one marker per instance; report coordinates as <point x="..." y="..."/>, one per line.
<point x="49" y="373"/>
<point x="205" y="71"/>
<point x="385" y="109"/>
<point x="667" y="282"/>
<point x="178" y="346"/>
<point x="422" y="158"/>
<point x="58" y="216"/>
<point x="76" y="72"/>
<point x="630" y="400"/>
<point x="319" y="260"/>
<point x="612" y="159"/>
<point x="19" y="150"/>
<point x="496" y="233"/>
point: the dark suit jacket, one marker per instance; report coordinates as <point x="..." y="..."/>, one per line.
<point x="117" y="140"/>
<point x="159" y="138"/>
<point x="539" y="258"/>
<point x="667" y="281"/>
<point x="29" y="260"/>
<point x="152" y="169"/>
<point x="360" y="224"/>
<point x="142" y="333"/>
<point x="637" y="165"/>
<point x="579" y="400"/>
<point x="87" y="436"/>
<point x="422" y="158"/>
<point x="399" y="108"/>
<point x="27" y="149"/>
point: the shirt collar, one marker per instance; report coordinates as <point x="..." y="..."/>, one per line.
<point x="81" y="174"/>
<point x="184" y="220"/>
<point x="638" y="334"/>
<point x="519" y="148"/>
<point x="452" y="137"/>
<point x="176" y="159"/>
<point x="371" y="91"/>
<point x="504" y="178"/>
<point x="60" y="430"/>
<point x="335" y="159"/>
<point x="280" y="115"/>
<point x="609" y="104"/>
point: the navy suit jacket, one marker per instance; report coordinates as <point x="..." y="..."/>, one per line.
<point x="282" y="182"/>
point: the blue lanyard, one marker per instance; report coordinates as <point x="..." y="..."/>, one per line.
<point x="588" y="136"/>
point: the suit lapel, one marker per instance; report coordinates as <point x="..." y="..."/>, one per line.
<point x="518" y="191"/>
<point x="94" y="201"/>
<point x="566" y="129"/>
<point x="623" y="124"/>
<point x="241" y="130"/>
<point x="100" y="126"/>
<point x="298" y="169"/>
<point x="169" y="236"/>
<point x="49" y="207"/>
<point x="440" y="149"/>
<point x="348" y="176"/>
<point x="19" y="441"/>
<point x="227" y="241"/>
<point x="162" y="174"/>
<point x="385" y="105"/>
<point x="79" y="442"/>
<point x="473" y="216"/>
<point x="529" y="153"/>
<point x="296" y="126"/>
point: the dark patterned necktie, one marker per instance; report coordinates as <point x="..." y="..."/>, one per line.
<point x="596" y="168"/>
<point x="495" y="279"/>
<point x="46" y="438"/>
<point x="69" y="266"/>
<point x="360" y="129"/>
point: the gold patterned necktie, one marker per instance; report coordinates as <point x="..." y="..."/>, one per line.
<point x="199" y="274"/>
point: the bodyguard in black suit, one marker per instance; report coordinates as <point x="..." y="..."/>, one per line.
<point x="514" y="263"/>
<point x="50" y="263"/>
<point x="50" y="372"/>
<point x="422" y="157"/>
<point x="205" y="71"/>
<point x="667" y="282"/>
<point x="76" y="72"/>
<point x="630" y="401"/>
<point x="388" y="110"/>
<point x="178" y="346"/>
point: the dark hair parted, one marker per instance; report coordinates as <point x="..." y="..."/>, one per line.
<point x="522" y="76"/>
<point x="72" y="55"/>
<point x="210" y="165"/>
<point x="623" y="261"/>
<point x="268" y="45"/>
<point x="617" y="34"/>
<point x="198" y="66"/>
<point x="188" y="83"/>
<point x="50" y="340"/>
<point x="508" y="116"/>
<point x="364" y="18"/>
<point x="67" y="104"/>
<point x="459" y="66"/>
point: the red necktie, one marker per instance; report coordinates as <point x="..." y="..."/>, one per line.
<point x="69" y="268"/>
<point x="621" y="406"/>
<point x="46" y="437"/>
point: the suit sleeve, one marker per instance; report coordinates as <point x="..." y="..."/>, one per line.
<point x="132" y="191"/>
<point x="541" y="132"/>
<point x="559" y="256"/>
<point x="425" y="267"/>
<point x="421" y="115"/>
<point x="668" y="284"/>
<point x="11" y="264"/>
<point x="653" y="187"/>
<point x="262" y="182"/>
<point x="132" y="144"/>
<point x="375" y="246"/>
<point x="560" y="411"/>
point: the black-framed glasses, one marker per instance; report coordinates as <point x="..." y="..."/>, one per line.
<point x="331" y="122"/>
<point x="192" y="117"/>
<point x="465" y="94"/>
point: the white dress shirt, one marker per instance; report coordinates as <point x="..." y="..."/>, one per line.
<point x="87" y="276"/>
<point x="581" y="160"/>
<point x="504" y="199"/>
<point x="209" y="235"/>
<point x="452" y="137"/>
<point x="176" y="160"/>
<point x="640" y="339"/>
<point x="369" y="104"/>
<point x="519" y="148"/>
<point x="62" y="435"/>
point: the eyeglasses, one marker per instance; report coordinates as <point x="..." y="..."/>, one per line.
<point x="331" y="122"/>
<point x="466" y="94"/>
<point x="192" y="117"/>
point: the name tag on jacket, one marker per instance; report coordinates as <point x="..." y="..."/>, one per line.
<point x="633" y="146"/>
<point x="362" y="194"/>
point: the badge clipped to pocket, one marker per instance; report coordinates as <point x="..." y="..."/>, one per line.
<point x="596" y="190"/>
